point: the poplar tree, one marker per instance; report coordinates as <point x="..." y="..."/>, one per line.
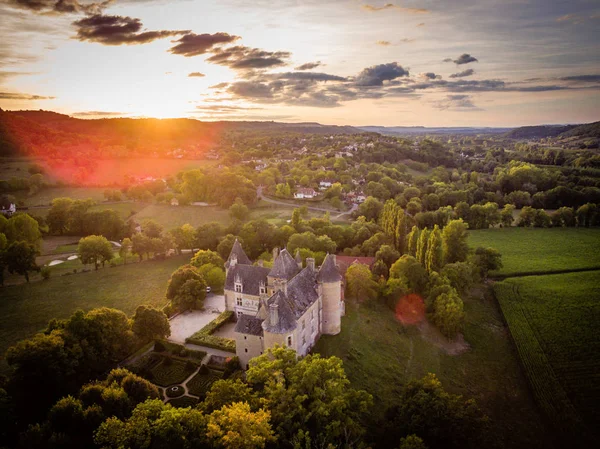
<point x="412" y="240"/>
<point x="400" y="231"/>
<point x="422" y="246"/>
<point x="434" y="255"/>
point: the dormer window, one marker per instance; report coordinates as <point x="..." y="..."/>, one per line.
<point x="238" y="288"/>
<point x="263" y="290"/>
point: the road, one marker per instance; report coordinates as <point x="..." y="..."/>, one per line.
<point x="260" y="196"/>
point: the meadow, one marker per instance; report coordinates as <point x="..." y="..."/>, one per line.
<point x="381" y="355"/>
<point x="553" y="320"/>
<point x="535" y="250"/>
<point x="26" y="309"/>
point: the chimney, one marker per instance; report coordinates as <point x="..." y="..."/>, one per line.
<point x="334" y="259"/>
<point x="275" y="253"/>
<point x="274" y="314"/>
<point x="233" y="261"/>
<point x="310" y="263"/>
<point x="260" y="263"/>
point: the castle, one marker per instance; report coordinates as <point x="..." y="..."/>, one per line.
<point x="286" y="305"/>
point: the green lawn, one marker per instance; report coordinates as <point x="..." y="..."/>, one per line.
<point x="534" y="250"/>
<point x="26" y="309"/>
<point x="45" y="196"/>
<point x="381" y="355"/>
<point x="554" y="319"/>
<point x="171" y="217"/>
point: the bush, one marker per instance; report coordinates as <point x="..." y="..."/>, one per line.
<point x="204" y="336"/>
<point x="159" y="347"/>
<point x="168" y="361"/>
<point x="203" y="369"/>
<point x="183" y="352"/>
<point x="189" y="365"/>
<point x="174" y="392"/>
<point x="45" y="271"/>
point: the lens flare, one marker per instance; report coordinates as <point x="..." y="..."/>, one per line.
<point x="410" y="309"/>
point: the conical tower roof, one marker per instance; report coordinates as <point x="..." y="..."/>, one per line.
<point x="329" y="271"/>
<point x="239" y="253"/>
<point x="284" y="266"/>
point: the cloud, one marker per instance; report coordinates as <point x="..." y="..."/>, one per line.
<point x="219" y="86"/>
<point x="455" y="103"/>
<point x="582" y="78"/>
<point x="117" y="30"/>
<point x="372" y="8"/>
<point x="246" y="58"/>
<point x="463" y="74"/>
<point x="60" y="6"/>
<point x="377" y="74"/>
<point x="224" y="108"/>
<point x="308" y="66"/>
<point x="197" y="44"/>
<point x="465" y="58"/>
<point x="430" y="75"/>
<point x="4" y="74"/>
<point x="98" y="114"/>
<point x="196" y="75"/>
<point x="383" y="43"/>
<point x="422" y="24"/>
<point x="250" y="89"/>
<point x="311" y="76"/>
<point x="572" y="19"/>
<point x="19" y="96"/>
<point x="406" y="40"/>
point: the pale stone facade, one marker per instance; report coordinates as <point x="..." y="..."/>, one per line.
<point x="286" y="305"/>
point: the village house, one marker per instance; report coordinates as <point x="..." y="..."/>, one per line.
<point x="305" y="193"/>
<point x="288" y="304"/>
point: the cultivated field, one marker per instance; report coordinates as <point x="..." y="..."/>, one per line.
<point x="171" y="217"/>
<point x="45" y="196"/>
<point x="381" y="355"/>
<point x="534" y="250"/>
<point x="553" y="320"/>
<point x="26" y="309"/>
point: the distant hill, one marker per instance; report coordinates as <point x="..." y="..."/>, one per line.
<point x="538" y="132"/>
<point x="415" y="130"/>
<point x="589" y="130"/>
<point x="49" y="134"/>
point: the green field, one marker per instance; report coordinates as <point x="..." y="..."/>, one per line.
<point x="381" y="355"/>
<point x="174" y="216"/>
<point x="26" y="309"/>
<point x="45" y="196"/>
<point x="535" y="250"/>
<point x="553" y="320"/>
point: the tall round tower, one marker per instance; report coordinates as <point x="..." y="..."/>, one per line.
<point x="330" y="281"/>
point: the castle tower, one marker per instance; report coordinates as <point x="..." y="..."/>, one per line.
<point x="330" y="281"/>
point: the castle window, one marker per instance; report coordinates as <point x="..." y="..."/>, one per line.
<point x="313" y="329"/>
<point x="246" y="349"/>
<point x="290" y="341"/>
<point x="238" y="301"/>
<point x="262" y="290"/>
<point x="238" y="288"/>
<point x="303" y="340"/>
<point x="312" y="314"/>
<point x="245" y="338"/>
<point x="303" y="324"/>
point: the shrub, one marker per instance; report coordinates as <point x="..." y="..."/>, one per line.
<point x="204" y="336"/>
<point x="203" y="369"/>
<point x="183" y="352"/>
<point x="168" y="361"/>
<point x="159" y="347"/>
<point x="45" y="271"/>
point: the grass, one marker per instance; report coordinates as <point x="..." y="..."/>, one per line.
<point x="26" y="309"/>
<point x="204" y="336"/>
<point x="535" y="250"/>
<point x="200" y="384"/>
<point x="45" y="196"/>
<point x="381" y="355"/>
<point x="553" y="320"/>
<point x="68" y="248"/>
<point x="172" y="217"/>
<point x="171" y="371"/>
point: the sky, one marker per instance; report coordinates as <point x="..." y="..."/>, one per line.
<point x="499" y="63"/>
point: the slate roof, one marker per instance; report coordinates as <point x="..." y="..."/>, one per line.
<point x="251" y="277"/>
<point x="328" y="271"/>
<point x="302" y="292"/>
<point x="238" y="251"/>
<point x="284" y="267"/>
<point x="287" y="320"/>
<point x="298" y="257"/>
<point x="249" y="325"/>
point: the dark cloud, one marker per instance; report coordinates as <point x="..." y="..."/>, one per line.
<point x="224" y="108"/>
<point x="196" y="75"/>
<point x="463" y="74"/>
<point x="311" y="76"/>
<point x="60" y="6"/>
<point x="582" y="78"/>
<point x="250" y="89"/>
<point x="465" y="58"/>
<point x="117" y="30"/>
<point x="308" y="66"/>
<point x="19" y="96"/>
<point x="431" y="76"/>
<point x="377" y="74"/>
<point x="372" y="8"/>
<point x="383" y="43"/>
<point x="198" y="44"/>
<point x="99" y="114"/>
<point x="246" y="58"/>
<point x="456" y="103"/>
<point x="448" y="60"/>
<point x="219" y="86"/>
<point x="422" y="24"/>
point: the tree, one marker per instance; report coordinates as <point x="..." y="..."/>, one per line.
<point x="370" y="209"/>
<point x="204" y="257"/>
<point x="309" y="399"/>
<point x="152" y="229"/>
<point x="441" y="419"/>
<point x="413" y="239"/>
<point x="150" y="323"/>
<point x="454" y="237"/>
<point x="19" y="258"/>
<point x="421" y="255"/>
<point x="58" y="215"/>
<point x="412" y="442"/>
<point x="359" y="282"/>
<point x="235" y="426"/>
<point x="186" y="287"/>
<point x="226" y="244"/>
<point x="411" y="272"/>
<point x="141" y="244"/>
<point x="184" y="237"/>
<point x="214" y="276"/>
<point x="526" y="217"/>
<point x="238" y="210"/>
<point x="486" y="260"/>
<point x="126" y="245"/>
<point x="448" y="315"/>
<point x="506" y="215"/>
<point x="434" y="256"/>
<point x="387" y="254"/>
<point x="460" y="275"/>
<point x="207" y="236"/>
<point x="94" y="249"/>
<point x="227" y="391"/>
<point x="23" y="228"/>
